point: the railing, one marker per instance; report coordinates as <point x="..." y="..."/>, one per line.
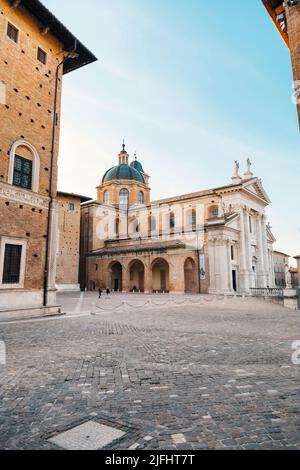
<point x="267" y="292"/>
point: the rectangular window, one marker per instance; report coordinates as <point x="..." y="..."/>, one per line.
<point x="22" y="172"/>
<point x="71" y="207"/>
<point x="42" y="56"/>
<point x="12" y="264"/>
<point x="232" y="252"/>
<point x="250" y="223"/>
<point x="12" y="32"/>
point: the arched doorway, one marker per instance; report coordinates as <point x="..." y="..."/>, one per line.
<point x="136" y="276"/>
<point x="190" y="276"/>
<point x="116" y="276"/>
<point x="160" y="275"/>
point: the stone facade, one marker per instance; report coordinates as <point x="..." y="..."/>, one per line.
<point x="30" y="56"/>
<point x="215" y="241"/>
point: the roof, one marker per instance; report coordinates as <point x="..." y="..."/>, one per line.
<point x="137" y="165"/>
<point x="77" y="196"/>
<point x="281" y="253"/>
<point x="123" y="172"/>
<point x="47" y="19"/>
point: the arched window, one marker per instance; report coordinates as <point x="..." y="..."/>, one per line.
<point x="124" y="197"/>
<point x="172" y="220"/>
<point x="106" y="197"/>
<point x="141" y="197"/>
<point x="214" y="212"/>
<point x="24" y="166"/>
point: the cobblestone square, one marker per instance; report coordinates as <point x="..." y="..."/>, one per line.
<point x="168" y="372"/>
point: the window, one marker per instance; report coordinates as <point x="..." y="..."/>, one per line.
<point x="214" y="212"/>
<point x="192" y="218"/>
<point x="152" y="224"/>
<point x="172" y="220"/>
<point x="141" y="197"/>
<point x="22" y="176"/>
<point x="71" y="207"/>
<point x="2" y="92"/>
<point x="106" y="197"/>
<point x="42" y="56"/>
<point x="124" y="197"/>
<point x="17" y="148"/>
<point x="12" y="264"/>
<point x="232" y="252"/>
<point x="12" y="32"/>
<point x="250" y="223"/>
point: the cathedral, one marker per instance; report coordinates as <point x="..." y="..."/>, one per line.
<point x="211" y="241"/>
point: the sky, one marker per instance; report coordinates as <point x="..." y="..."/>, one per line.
<point x="191" y="86"/>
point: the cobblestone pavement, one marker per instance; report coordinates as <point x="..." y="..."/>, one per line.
<point x="217" y="375"/>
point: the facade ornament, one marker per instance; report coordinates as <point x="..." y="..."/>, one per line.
<point x="236" y="177"/>
<point x="288" y="277"/>
<point x="248" y="175"/>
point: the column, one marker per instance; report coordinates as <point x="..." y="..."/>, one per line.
<point x="265" y="249"/>
<point x="244" y="254"/>
<point x="211" y="260"/>
<point x="148" y="278"/>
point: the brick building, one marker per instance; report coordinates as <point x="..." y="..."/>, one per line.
<point x="36" y="50"/>
<point x="215" y="241"/>
<point x="67" y="254"/>
<point x="286" y="17"/>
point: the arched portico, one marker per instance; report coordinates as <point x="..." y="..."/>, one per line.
<point x="136" y="271"/>
<point x="115" y="276"/>
<point x="160" y="275"/>
<point x="190" y="276"/>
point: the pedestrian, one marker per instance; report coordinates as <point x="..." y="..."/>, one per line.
<point x="107" y="291"/>
<point x="100" y="292"/>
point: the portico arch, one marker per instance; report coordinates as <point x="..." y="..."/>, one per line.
<point x="136" y="271"/>
<point x="115" y="276"/>
<point x="160" y="275"/>
<point x="190" y="276"/>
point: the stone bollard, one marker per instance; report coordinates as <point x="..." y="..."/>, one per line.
<point x="290" y="299"/>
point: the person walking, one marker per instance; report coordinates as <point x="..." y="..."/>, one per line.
<point x="100" y="292"/>
<point x="107" y="291"/>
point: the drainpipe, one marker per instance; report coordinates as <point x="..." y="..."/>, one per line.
<point x="72" y="54"/>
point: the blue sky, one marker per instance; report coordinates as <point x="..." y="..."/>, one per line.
<point x="192" y="86"/>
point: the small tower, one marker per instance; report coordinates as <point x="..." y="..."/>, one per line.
<point x="123" y="155"/>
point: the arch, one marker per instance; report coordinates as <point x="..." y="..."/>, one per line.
<point x="35" y="163"/>
<point x="136" y="271"/>
<point x="115" y="280"/>
<point x="160" y="275"/>
<point x="141" y="197"/>
<point x="106" y="197"/>
<point x="124" y="197"/>
<point x="190" y="276"/>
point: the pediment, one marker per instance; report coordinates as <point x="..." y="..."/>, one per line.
<point x="255" y="187"/>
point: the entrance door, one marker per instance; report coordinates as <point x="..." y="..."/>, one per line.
<point x="163" y="280"/>
<point x="234" y="283"/>
<point x="116" y="285"/>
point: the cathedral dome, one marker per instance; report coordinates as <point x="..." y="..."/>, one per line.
<point x="123" y="172"/>
<point x="137" y="165"/>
